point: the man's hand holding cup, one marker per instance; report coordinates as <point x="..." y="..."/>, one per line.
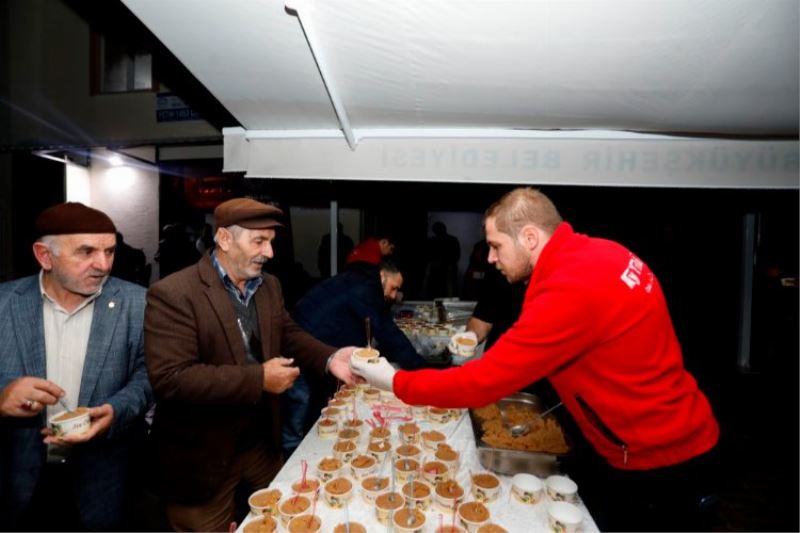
<point x="463" y="344"/>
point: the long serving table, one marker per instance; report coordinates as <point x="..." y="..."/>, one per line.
<point x="505" y="510"/>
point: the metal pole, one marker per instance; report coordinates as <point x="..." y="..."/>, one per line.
<point x="334" y="216"/>
<point x="749" y="229"/>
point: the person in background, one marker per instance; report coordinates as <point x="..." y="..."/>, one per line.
<point x="220" y="348"/>
<point x="175" y="250"/>
<point x="71" y="336"/>
<point x="498" y="307"/>
<point x="130" y="263"/>
<point x="442" y="252"/>
<point x="596" y="323"/>
<point x="205" y="241"/>
<point x="344" y="245"/>
<point x="335" y="311"/>
<point x="372" y="250"/>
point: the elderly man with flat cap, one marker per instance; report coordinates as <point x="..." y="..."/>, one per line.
<point x="220" y="349"/>
<point x="70" y="336"/>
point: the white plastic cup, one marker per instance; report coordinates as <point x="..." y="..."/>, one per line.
<point x="564" y="517"/>
<point x="75" y="422"/>
<point x="561" y="489"/>
<point x="527" y="488"/>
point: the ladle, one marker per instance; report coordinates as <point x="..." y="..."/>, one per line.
<point x="518" y="430"/>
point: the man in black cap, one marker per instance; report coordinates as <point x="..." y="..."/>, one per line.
<point x="220" y="348"/>
<point x="71" y="336"/>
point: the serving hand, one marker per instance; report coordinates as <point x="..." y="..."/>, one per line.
<point x="340" y="364"/>
<point x="380" y="375"/>
<point x="454" y="341"/>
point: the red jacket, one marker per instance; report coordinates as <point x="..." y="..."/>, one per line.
<point x="595" y="322"/>
<point x="368" y="251"/>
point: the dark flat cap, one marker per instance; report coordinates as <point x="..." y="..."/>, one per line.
<point x="71" y="218"/>
<point x="247" y="213"/>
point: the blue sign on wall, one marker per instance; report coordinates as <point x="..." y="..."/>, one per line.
<point x="170" y="108"/>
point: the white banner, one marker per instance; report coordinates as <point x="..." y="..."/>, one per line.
<point x="652" y="161"/>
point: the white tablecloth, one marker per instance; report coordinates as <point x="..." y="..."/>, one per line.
<point x="505" y="510"/>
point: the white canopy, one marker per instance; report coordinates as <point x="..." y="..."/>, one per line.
<point x="618" y="92"/>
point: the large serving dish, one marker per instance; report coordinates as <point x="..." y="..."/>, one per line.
<point x="510" y="461"/>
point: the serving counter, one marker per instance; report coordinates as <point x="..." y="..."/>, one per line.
<point x="505" y="510"/>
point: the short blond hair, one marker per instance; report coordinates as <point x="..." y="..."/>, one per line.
<point x="522" y="206"/>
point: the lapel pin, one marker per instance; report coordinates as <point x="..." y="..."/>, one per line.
<point x="111" y="305"/>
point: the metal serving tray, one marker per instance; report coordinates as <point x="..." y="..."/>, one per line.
<point x="508" y="461"/>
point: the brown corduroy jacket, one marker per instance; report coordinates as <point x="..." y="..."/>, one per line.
<point x="206" y="392"/>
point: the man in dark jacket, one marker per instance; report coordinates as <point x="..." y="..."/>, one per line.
<point x="220" y="348"/>
<point x="335" y="312"/>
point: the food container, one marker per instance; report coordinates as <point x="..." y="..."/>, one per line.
<point x="404" y="469"/>
<point x="363" y="465"/>
<point x="264" y="501"/>
<point x="435" y="471"/>
<point x="450" y="528"/>
<point x="432" y="439"/>
<point x="349" y="434"/>
<point x="417" y="494"/>
<point x="408" y="433"/>
<point x="509" y="461"/>
<point x="337" y="492"/>
<point x="407" y="451"/>
<point x="354" y="423"/>
<point x="564" y="517"/>
<point x="328" y="428"/>
<point x="561" y="489"/>
<point x="448" y="456"/>
<point x="371" y="395"/>
<point x="260" y="524"/>
<point x="408" y="520"/>
<point x="293" y="506"/>
<point x="379" y="434"/>
<point x="372" y="487"/>
<point x="307" y="488"/>
<point x="485" y="486"/>
<point x="447" y="493"/>
<point x="370" y="355"/>
<point x="329" y="467"/>
<point x="439" y="415"/>
<point x="349" y="527"/>
<point x="386" y="504"/>
<point x="472" y="515"/>
<point x="344" y="450"/>
<point x="527" y="488"/>
<point x="306" y="523"/>
<point x="74" y="422"/>
<point x="378" y="449"/>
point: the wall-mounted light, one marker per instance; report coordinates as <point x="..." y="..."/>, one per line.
<point x="116" y="160"/>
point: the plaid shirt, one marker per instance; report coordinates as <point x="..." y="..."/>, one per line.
<point x="250" y="286"/>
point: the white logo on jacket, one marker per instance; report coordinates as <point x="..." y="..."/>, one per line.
<point x="632" y="276"/>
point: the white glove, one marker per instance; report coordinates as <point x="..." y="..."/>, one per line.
<point x="379" y="375"/>
<point x="463" y="348"/>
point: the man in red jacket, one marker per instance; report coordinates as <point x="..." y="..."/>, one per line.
<point x="372" y="250"/>
<point x="595" y="322"/>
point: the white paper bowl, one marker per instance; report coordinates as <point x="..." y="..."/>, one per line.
<point x="527" y="488"/>
<point x="564" y="517"/>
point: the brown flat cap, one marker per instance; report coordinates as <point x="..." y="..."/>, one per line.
<point x="71" y="218"/>
<point x="247" y="213"/>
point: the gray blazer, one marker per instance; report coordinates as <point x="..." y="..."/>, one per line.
<point x="113" y="373"/>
